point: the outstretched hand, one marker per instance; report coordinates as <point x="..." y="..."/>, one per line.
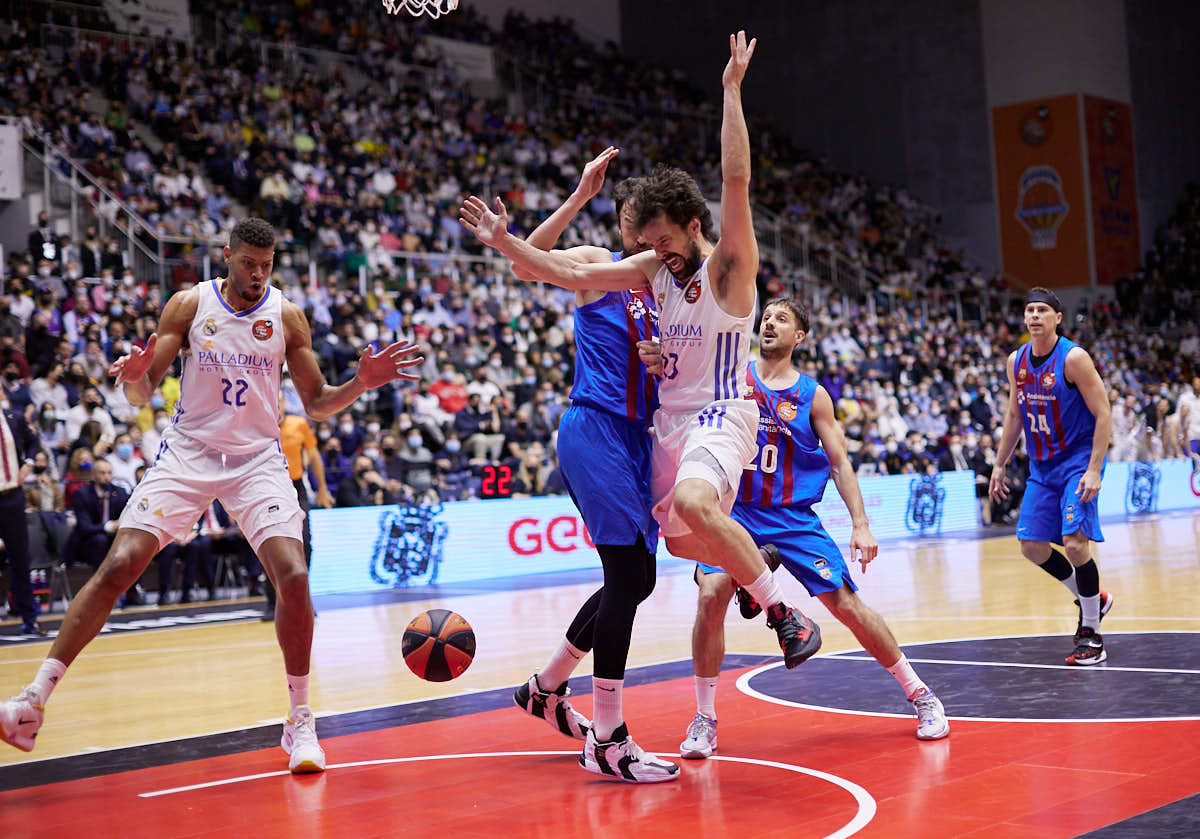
<point x="592" y="180"/>
<point x="389" y="364"/>
<point x="131" y="368"/>
<point x="740" y="54"/>
<point x="489" y="227"/>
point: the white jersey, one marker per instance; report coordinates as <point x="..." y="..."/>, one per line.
<point x="705" y="350"/>
<point x="229" y="392"/>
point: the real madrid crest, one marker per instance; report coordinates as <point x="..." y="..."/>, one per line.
<point x="209" y="327"/>
<point x="262" y="329"/>
<point x="143" y="505"/>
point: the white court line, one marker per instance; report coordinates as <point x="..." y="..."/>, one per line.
<point x="864" y="800"/>
<point x="743" y="684"/>
<point x="1104" y="668"/>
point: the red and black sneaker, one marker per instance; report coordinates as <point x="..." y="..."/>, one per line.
<point x="747" y="605"/>
<point x="799" y="636"/>
<point x="1106" y="603"/>
<point x="1089" y="648"/>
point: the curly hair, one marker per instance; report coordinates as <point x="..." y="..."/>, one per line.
<point x="626" y="191"/>
<point x="799" y="310"/>
<point x="675" y="194"/>
<point x="256" y="232"/>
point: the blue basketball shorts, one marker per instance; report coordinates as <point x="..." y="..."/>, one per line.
<point x="1051" y="507"/>
<point x="808" y="552"/>
<point x="605" y="462"/>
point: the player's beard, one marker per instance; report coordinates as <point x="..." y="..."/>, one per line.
<point x="774" y="352"/>
<point x="691" y="262"/>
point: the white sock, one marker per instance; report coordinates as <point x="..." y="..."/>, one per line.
<point x="297" y="690"/>
<point x="48" y="677"/>
<point x="706" y="695"/>
<point x="909" y="681"/>
<point x="1069" y="582"/>
<point x="606" y="706"/>
<point x="1091" y="611"/>
<point x="765" y="590"/>
<point x="562" y="664"/>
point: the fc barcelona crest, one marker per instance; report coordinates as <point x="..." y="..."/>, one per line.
<point x="1022" y="372"/>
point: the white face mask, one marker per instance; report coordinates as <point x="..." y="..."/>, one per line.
<point x="414" y="440"/>
<point x="372" y="428"/>
<point x="160" y="423"/>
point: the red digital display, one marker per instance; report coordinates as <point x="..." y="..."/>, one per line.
<point x="497" y="481"/>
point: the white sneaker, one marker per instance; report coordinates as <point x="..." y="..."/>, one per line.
<point x="931" y="717"/>
<point x="701" y="740"/>
<point x="300" y="742"/>
<point x="552" y="706"/>
<point x="622" y="759"/>
<point x="20" y="719"/>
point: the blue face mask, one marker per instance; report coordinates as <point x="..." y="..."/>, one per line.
<point x="157" y="401"/>
<point x="124" y="451"/>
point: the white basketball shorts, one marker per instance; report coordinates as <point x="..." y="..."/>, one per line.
<point x="254" y="489"/>
<point x="715" y="445"/>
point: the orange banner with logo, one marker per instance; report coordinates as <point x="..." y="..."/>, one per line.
<point x="1113" y="180"/>
<point x="1040" y="192"/>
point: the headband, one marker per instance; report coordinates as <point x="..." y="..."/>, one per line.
<point x="1041" y="295"/>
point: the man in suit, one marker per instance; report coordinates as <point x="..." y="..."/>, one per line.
<point x="42" y="242"/>
<point x="97" y="507"/>
<point x="17" y="447"/>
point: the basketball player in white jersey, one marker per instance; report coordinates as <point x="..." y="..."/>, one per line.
<point x="705" y="431"/>
<point x="223" y="442"/>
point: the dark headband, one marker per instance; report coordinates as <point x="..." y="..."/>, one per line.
<point x="1041" y="295"/>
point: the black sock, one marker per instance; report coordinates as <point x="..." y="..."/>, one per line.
<point x="1087" y="579"/>
<point x="1058" y="566"/>
<point x="628" y="580"/>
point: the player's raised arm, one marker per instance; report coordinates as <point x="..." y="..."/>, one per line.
<point x="546" y="234"/>
<point x="491" y="228"/>
<point x="1081" y="371"/>
<point x="736" y="253"/>
<point x="998" y="487"/>
<point x="143" y="369"/>
<point x="321" y="400"/>
<point x="825" y="424"/>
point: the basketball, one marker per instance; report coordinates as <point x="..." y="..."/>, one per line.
<point x="438" y="645"/>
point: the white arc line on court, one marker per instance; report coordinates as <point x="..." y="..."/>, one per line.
<point x="864" y="799"/>
<point x="1102" y="668"/>
<point x="743" y="685"/>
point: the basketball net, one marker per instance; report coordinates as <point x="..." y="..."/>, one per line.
<point x="416" y="8"/>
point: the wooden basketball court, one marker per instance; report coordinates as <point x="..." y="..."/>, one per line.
<point x="174" y="731"/>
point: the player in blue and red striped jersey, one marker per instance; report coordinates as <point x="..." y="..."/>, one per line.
<point x="800" y="444"/>
<point x="1058" y="399"/>
<point x="604" y="455"/>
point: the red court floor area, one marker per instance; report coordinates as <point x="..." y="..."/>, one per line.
<point x="787" y="772"/>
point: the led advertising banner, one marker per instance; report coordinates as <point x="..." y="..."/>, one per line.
<point x="1130" y="488"/>
<point x="365" y="548"/>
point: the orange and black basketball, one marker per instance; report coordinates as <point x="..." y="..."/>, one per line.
<point x="438" y="645"/>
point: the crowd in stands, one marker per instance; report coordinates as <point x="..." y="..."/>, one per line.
<point x="349" y="178"/>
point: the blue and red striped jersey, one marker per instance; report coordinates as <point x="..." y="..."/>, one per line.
<point x="608" y="373"/>
<point x="1054" y="413"/>
<point x="791" y="468"/>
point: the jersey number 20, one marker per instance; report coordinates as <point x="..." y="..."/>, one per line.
<point x="768" y="459"/>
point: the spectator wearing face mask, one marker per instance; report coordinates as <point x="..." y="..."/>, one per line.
<point x="125" y="463"/>
<point x="349" y="433"/>
<point x="453" y="468"/>
<point x="97" y="506"/>
<point x="419" y="468"/>
<point x="152" y="436"/>
<point x="364" y="488"/>
<point x="49" y="389"/>
<point x="90" y="407"/>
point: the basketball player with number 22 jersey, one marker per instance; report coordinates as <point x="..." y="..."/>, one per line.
<point x="705" y="293"/>
<point x="235" y="334"/>
<point x="1057" y="398"/>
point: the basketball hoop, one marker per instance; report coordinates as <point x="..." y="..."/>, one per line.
<point x="416" y="8"/>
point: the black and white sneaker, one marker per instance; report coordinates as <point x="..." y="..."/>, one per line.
<point x="747" y="605"/>
<point x="553" y="707"/>
<point x="1089" y="648"/>
<point x="621" y="759"/>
